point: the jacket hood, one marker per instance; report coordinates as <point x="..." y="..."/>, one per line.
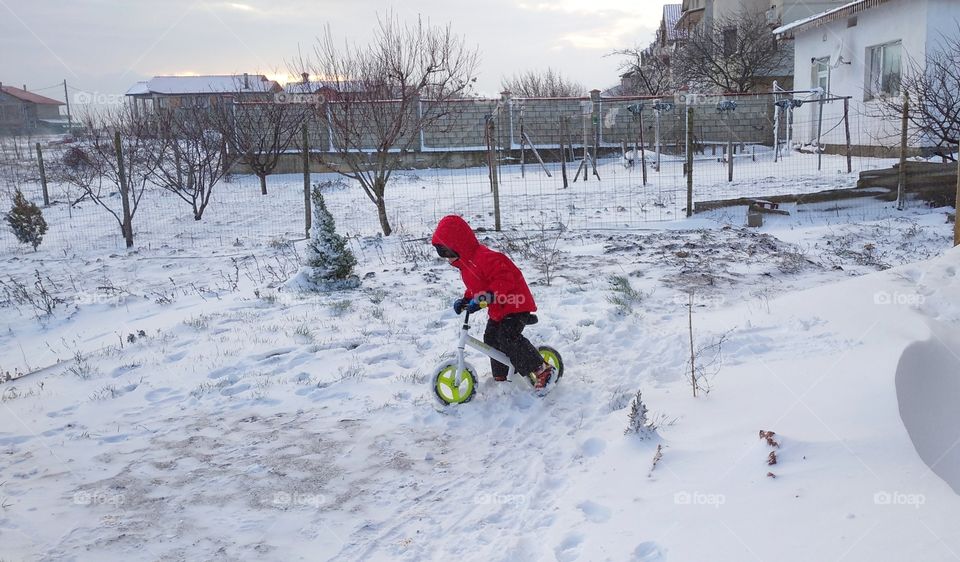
<point x="454" y="233"/>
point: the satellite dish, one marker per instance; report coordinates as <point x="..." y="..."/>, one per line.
<point x="837" y="58"/>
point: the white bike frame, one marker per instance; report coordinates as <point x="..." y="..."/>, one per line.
<point x="466" y="339"/>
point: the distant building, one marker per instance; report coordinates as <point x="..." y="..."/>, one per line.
<point x="861" y="49"/>
<point x="669" y="38"/>
<point x="24" y="112"/>
<point x="778" y="12"/>
<point x="172" y="92"/>
<point x="336" y="90"/>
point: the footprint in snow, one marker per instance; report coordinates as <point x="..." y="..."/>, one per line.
<point x="594" y="512"/>
<point x="647" y="552"/>
<point x="593" y="447"/>
<point x="234" y="390"/>
<point x="569" y="548"/>
<point x="162" y="396"/>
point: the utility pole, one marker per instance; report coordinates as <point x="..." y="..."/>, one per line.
<point x="66" y="98"/>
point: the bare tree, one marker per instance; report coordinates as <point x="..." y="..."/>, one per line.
<point x="258" y="133"/>
<point x="542" y="84"/>
<point x="377" y="113"/>
<point x="191" y="156"/>
<point x="735" y="54"/>
<point x="933" y="85"/>
<point x="644" y="72"/>
<point x="114" y="153"/>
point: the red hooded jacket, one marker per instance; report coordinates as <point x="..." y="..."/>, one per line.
<point x="483" y="269"/>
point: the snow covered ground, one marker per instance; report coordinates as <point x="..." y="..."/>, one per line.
<point x="181" y="407"/>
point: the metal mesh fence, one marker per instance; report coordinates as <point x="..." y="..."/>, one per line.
<point x="624" y="161"/>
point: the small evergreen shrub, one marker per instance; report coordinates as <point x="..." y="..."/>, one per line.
<point x="328" y="256"/>
<point x="26" y="221"/>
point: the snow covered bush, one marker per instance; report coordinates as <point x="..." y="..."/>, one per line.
<point x="26" y="221"/>
<point x="330" y="262"/>
<point x="637" y="420"/>
<point x="623" y="295"/>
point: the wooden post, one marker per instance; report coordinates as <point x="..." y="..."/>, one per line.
<point x="523" y="153"/>
<point x="730" y="161"/>
<point x="492" y="164"/>
<point x="820" y="133"/>
<point x="127" y="226"/>
<point x="43" y="177"/>
<point x="536" y="154"/>
<point x="643" y="151"/>
<point x="776" y="133"/>
<point x="846" y="125"/>
<point x="904" y="122"/>
<point x="307" y="213"/>
<point x="956" y="205"/>
<point x="563" y="154"/>
<point x="658" y="139"/>
<point x="690" y="161"/>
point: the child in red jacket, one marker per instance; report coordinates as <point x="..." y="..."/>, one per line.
<point x="491" y="277"/>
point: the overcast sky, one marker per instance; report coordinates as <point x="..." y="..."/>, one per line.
<point x="105" y="46"/>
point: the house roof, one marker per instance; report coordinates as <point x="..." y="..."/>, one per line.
<point x="26" y="96"/>
<point x="210" y="84"/>
<point x="313" y="86"/>
<point x="816" y="20"/>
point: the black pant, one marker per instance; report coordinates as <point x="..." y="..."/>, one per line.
<point x="506" y="336"/>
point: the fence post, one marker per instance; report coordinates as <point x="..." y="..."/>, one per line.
<point x="127" y="226"/>
<point x="492" y="165"/>
<point x="43" y="177"/>
<point x="307" y="214"/>
<point x="956" y="205"/>
<point x="902" y="183"/>
<point x="846" y="125"/>
<point x="730" y="161"/>
<point x="823" y="95"/>
<point x="563" y="155"/>
<point x="595" y="120"/>
<point x="690" y="161"/>
<point x="643" y="150"/>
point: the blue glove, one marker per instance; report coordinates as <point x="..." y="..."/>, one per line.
<point x="459" y="305"/>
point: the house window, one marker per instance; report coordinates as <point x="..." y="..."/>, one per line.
<point x="820" y="78"/>
<point x="729" y="42"/>
<point x="883" y="71"/>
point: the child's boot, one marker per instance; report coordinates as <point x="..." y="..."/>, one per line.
<point x="543" y="376"/>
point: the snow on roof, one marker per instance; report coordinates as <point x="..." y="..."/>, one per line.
<point x="817" y="20"/>
<point x="26" y="96"/>
<point x="211" y="84"/>
<point x="138" y="88"/>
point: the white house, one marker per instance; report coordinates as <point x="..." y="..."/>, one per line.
<point x="861" y="49"/>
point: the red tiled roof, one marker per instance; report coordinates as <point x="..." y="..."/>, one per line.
<point x="29" y="96"/>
